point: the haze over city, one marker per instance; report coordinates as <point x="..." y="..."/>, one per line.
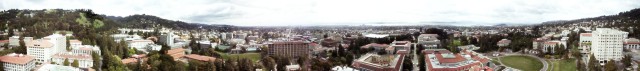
<point x="344" y="12"/>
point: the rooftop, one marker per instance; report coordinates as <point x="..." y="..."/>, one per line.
<point x="16" y="58"/>
<point x="199" y="57"/>
<point x="39" y="43"/>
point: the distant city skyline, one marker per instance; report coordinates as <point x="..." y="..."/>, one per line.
<point x="344" y="12"/>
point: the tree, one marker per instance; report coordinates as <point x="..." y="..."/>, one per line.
<point x="1" y="66"/>
<point x="593" y="63"/>
<point x="75" y="63"/>
<point x="66" y="62"/>
<point x="68" y="45"/>
<point x="96" y="60"/>
<point x="626" y="60"/>
<point x="268" y="63"/>
<point x="610" y="66"/>
<point x="22" y="49"/>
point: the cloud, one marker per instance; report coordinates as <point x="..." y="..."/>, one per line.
<point x="354" y="12"/>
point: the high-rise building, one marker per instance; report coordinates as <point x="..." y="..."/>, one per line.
<point x="59" y="42"/>
<point x="288" y="48"/>
<point x="17" y="62"/>
<point x="167" y="39"/>
<point x="607" y="44"/>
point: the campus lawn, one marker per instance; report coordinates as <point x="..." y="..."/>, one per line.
<point x="564" y="65"/>
<point x="253" y="56"/>
<point x="524" y="63"/>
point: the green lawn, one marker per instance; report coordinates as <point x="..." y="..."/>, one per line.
<point x="253" y="56"/>
<point x="564" y="65"/>
<point x="524" y="63"/>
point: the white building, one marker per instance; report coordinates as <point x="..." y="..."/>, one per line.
<point x="607" y="44"/>
<point x="126" y="37"/>
<point x="74" y="43"/>
<point x="167" y="39"/>
<point x="41" y="49"/>
<point x="85" y="49"/>
<point x="15" y="40"/>
<point x="51" y="67"/>
<point x="585" y="43"/>
<point x="18" y="62"/>
<point x="632" y="43"/>
<point x="59" y="42"/>
<point x="84" y="60"/>
<point x="139" y="44"/>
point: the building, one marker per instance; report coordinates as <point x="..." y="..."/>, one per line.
<point x="15" y="40"/>
<point x="401" y="45"/>
<point x="374" y="62"/>
<point x="167" y="39"/>
<point x="85" y="49"/>
<point x="199" y="58"/>
<point x="504" y="43"/>
<point x="41" y="49"/>
<point x="139" y="44"/>
<point x="84" y="60"/>
<point x="607" y="44"/>
<point x="176" y="53"/>
<point x="51" y="67"/>
<point x="59" y="42"/>
<point x="632" y="43"/>
<point x="287" y="49"/>
<point x="429" y="41"/>
<point x="126" y="37"/>
<point x="585" y="43"/>
<point x="293" y="68"/>
<point x="74" y="43"/>
<point x="467" y="60"/>
<point x="18" y="62"/>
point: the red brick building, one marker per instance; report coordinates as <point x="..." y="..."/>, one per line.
<point x="443" y="60"/>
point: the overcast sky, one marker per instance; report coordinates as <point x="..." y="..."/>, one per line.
<point x="351" y="12"/>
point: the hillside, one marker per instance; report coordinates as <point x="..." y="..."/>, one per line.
<point x="626" y="21"/>
<point x="149" y="21"/>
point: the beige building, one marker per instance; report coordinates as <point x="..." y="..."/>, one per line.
<point x="18" y="62"/>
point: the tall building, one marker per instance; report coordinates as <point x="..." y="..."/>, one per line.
<point x="167" y="39"/>
<point x="41" y="49"/>
<point x="288" y="48"/>
<point x="18" y="62"/>
<point x="607" y="44"/>
<point x="59" y="42"/>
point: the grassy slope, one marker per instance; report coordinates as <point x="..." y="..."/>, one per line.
<point x="522" y="62"/>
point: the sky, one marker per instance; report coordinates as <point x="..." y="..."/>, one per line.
<point x="344" y="12"/>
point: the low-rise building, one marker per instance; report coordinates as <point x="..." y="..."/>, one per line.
<point x="18" y="62"/>
<point x="15" y="40"/>
<point x="632" y="43"/>
<point x="85" y="49"/>
<point x="51" y="67"/>
<point x="443" y="60"/>
<point x="429" y="41"/>
<point x="84" y="60"/>
<point x="199" y="58"/>
<point x="504" y="42"/>
<point x="139" y="44"/>
<point x="374" y="62"/>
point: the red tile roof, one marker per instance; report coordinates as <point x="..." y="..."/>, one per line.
<point x="457" y="58"/>
<point x="199" y="57"/>
<point x="585" y="34"/>
<point x="17" y="58"/>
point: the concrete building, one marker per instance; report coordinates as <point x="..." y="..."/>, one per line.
<point x="585" y="43"/>
<point x="15" y="40"/>
<point x="84" y="60"/>
<point x="51" y="67"/>
<point x="632" y="43"/>
<point x="85" y="49"/>
<point x="374" y="62"/>
<point x="401" y="45"/>
<point x="167" y="39"/>
<point x="41" y="49"/>
<point x="467" y="60"/>
<point x="59" y="42"/>
<point x="429" y="41"/>
<point x="607" y="44"/>
<point x="18" y="62"/>
<point x="287" y="49"/>
<point x="504" y="43"/>
<point x="74" y="43"/>
<point x="139" y="44"/>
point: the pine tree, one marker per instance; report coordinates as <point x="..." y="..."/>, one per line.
<point x="593" y="63"/>
<point x="610" y="66"/>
